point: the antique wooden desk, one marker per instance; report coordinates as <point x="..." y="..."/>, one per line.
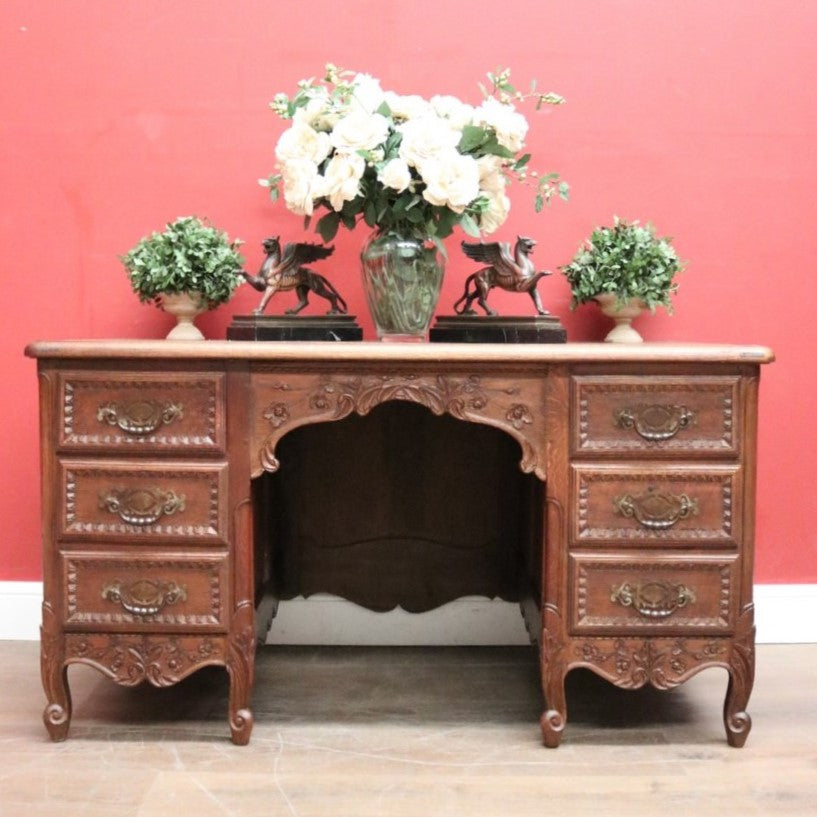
<point x="608" y="489"/>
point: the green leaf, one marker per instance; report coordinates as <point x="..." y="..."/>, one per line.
<point x="492" y="146"/>
<point x="327" y="226"/>
<point x="370" y="213"/>
<point x="469" y="226"/>
<point x="473" y="137"/>
<point x="446" y="221"/>
<point x="521" y="161"/>
<point x="440" y="246"/>
<point x="415" y="215"/>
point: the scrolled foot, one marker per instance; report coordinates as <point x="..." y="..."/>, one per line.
<point x="241" y="724"/>
<point x="738" y="725"/>
<point x="552" y="724"/>
<point x="57" y="720"/>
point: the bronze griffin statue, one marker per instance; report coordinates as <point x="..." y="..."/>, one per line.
<point x="282" y="273"/>
<point x="511" y="272"/>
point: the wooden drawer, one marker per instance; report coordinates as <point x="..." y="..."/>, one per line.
<point x="655" y="416"/>
<point x="658" y="593"/>
<point x="116" y="591"/>
<point x="158" y="501"/>
<point x="141" y="411"/>
<point x="660" y="504"/>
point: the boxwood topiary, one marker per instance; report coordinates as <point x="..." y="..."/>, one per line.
<point x="626" y="259"/>
<point x="189" y="256"/>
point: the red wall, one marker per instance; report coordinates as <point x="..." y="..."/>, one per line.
<point x="698" y="116"/>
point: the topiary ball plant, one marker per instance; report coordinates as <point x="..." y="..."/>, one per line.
<point x="627" y="260"/>
<point x="189" y="256"/>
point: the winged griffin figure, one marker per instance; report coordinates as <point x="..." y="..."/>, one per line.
<point x="513" y="272"/>
<point x="282" y="273"/>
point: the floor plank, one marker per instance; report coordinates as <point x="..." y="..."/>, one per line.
<point x="408" y="731"/>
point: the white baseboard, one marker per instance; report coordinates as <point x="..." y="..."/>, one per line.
<point x="784" y="614"/>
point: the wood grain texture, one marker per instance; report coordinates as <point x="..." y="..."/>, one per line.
<point x="608" y="489"/>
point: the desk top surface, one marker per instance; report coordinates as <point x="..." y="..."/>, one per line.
<point x="374" y="352"/>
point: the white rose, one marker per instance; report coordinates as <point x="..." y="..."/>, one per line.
<point x="359" y="131"/>
<point x="453" y="110"/>
<point x="395" y="174"/>
<point x="367" y="92"/>
<point x="406" y="106"/>
<point x="510" y="126"/>
<point x="491" y="178"/>
<point x="452" y="180"/>
<point x="315" y="112"/>
<point x="342" y="178"/>
<point x="494" y="217"/>
<point x="302" y="142"/>
<point x="425" y="138"/>
<point x="302" y="185"/>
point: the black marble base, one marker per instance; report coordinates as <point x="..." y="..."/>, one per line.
<point x="294" y="327"/>
<point x="496" y="329"/>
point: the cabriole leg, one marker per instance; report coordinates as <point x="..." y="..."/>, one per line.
<point x="241" y="667"/>
<point x="554" y="717"/>
<point x="54" y="673"/>
<point x="741" y="679"/>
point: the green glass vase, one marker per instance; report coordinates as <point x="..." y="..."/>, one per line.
<point x="402" y="277"/>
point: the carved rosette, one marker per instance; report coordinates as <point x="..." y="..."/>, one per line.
<point x="631" y="663"/>
<point x="162" y="660"/>
<point x="510" y="405"/>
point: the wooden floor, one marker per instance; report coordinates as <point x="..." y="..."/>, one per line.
<point x="408" y="731"/>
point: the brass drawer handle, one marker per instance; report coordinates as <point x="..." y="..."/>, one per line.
<point x="144" y="597"/>
<point x="655" y="423"/>
<point x="653" y="599"/>
<point x="141" y="417"/>
<point x="656" y="511"/>
<point x="141" y="506"/>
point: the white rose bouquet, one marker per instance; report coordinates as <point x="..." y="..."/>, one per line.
<point x="403" y="164"/>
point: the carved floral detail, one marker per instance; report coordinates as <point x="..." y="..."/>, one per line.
<point x="327" y="398"/>
<point x="132" y="659"/>
<point x="519" y="416"/>
<point x="664" y="663"/>
<point x="277" y="414"/>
